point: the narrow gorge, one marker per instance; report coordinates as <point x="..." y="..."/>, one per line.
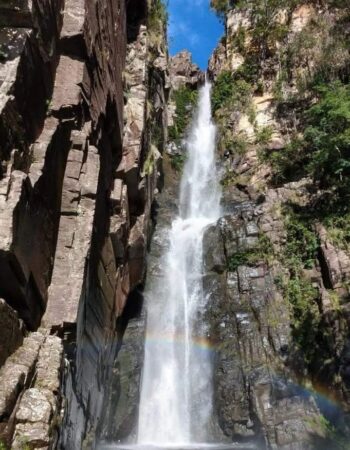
<point x="174" y="244"/>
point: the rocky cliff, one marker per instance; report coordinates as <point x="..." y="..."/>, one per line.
<point x="278" y="262"/>
<point x="86" y="97"/>
<point x="83" y="120"/>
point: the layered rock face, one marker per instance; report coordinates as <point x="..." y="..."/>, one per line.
<point x="183" y="72"/>
<point x="279" y="279"/>
<point x="83" y="120"/>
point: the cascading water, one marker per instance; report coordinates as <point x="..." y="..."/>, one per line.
<point x="176" y="395"/>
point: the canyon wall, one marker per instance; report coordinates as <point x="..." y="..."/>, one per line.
<point x="277" y="263"/>
<point x="86" y="97"/>
<point x="83" y="121"/>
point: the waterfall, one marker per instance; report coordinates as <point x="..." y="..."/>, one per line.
<point x="176" y="392"/>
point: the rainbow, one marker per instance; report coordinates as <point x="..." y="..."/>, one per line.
<point x="202" y="344"/>
<point x="324" y="398"/>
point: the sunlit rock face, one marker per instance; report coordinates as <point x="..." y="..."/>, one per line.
<point x="275" y="369"/>
<point x="183" y="72"/>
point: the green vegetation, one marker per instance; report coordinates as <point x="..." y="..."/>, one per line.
<point x="334" y="436"/>
<point x="148" y="165"/>
<point x="230" y="90"/>
<point x="338" y="228"/>
<point x="177" y="162"/>
<point x="235" y="144"/>
<point x="262" y="252"/>
<point x="287" y="164"/>
<point x="157" y="23"/>
<point x="185" y="100"/>
<point x="301" y="245"/>
<point x="303" y="297"/>
<point x="267" y="28"/>
<point x="299" y="253"/>
<point x="321" y="48"/>
<point x="158" y="15"/>
<point x="239" y="39"/>
<point x="220" y="7"/>
<point x="322" y="151"/>
<point x="327" y="137"/>
<point x="263" y="135"/>
<point x="151" y="160"/>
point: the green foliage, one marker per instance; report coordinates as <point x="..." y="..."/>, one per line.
<point x="151" y="160"/>
<point x="220" y="7"/>
<point x="157" y="134"/>
<point x="335" y="435"/>
<point x="236" y="144"/>
<point x="267" y="28"/>
<point x="228" y="179"/>
<point x="149" y="165"/>
<point x="2" y="446"/>
<point x="240" y="39"/>
<point x="338" y="228"/>
<point x="302" y="296"/>
<point x="263" y="135"/>
<point x="299" y="253"/>
<point x="158" y="15"/>
<point x="230" y="90"/>
<point x="185" y="100"/>
<point x="177" y="162"/>
<point x="278" y="89"/>
<point x="328" y="136"/>
<point x="301" y="245"/>
<point x="288" y="163"/>
<point x="320" y="50"/>
<point x="238" y="259"/>
<point x="222" y="90"/>
<point x="250" y="69"/>
<point x="323" y="152"/>
<point x="262" y="252"/>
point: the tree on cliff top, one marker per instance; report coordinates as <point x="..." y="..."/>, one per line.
<point x="220" y="7"/>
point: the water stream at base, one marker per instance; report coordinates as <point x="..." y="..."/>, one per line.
<point x="176" y="394"/>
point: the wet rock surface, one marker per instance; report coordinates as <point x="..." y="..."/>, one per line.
<point x="256" y="397"/>
<point x="287" y="327"/>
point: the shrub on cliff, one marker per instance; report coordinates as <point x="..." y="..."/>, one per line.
<point x="327" y="137"/>
<point x="323" y="150"/>
<point x="158" y="15"/>
<point x="230" y="90"/>
<point x="185" y="100"/>
<point x="220" y="7"/>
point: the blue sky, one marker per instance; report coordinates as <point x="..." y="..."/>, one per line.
<point x="193" y="26"/>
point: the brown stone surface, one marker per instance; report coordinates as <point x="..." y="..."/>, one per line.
<point x="71" y="37"/>
<point x="74" y="238"/>
<point x="274" y="347"/>
<point x="36" y="435"/>
<point x="67" y="90"/>
<point x="75" y="205"/>
<point x="183" y="72"/>
<point x="256" y="397"/>
<point x="17" y="373"/>
<point x="12" y="330"/>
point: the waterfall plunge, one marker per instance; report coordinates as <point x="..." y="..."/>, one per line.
<point x="176" y="395"/>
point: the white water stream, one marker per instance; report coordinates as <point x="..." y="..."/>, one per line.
<point x="176" y="395"/>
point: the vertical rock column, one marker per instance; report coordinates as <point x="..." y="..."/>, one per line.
<point x="76" y="190"/>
